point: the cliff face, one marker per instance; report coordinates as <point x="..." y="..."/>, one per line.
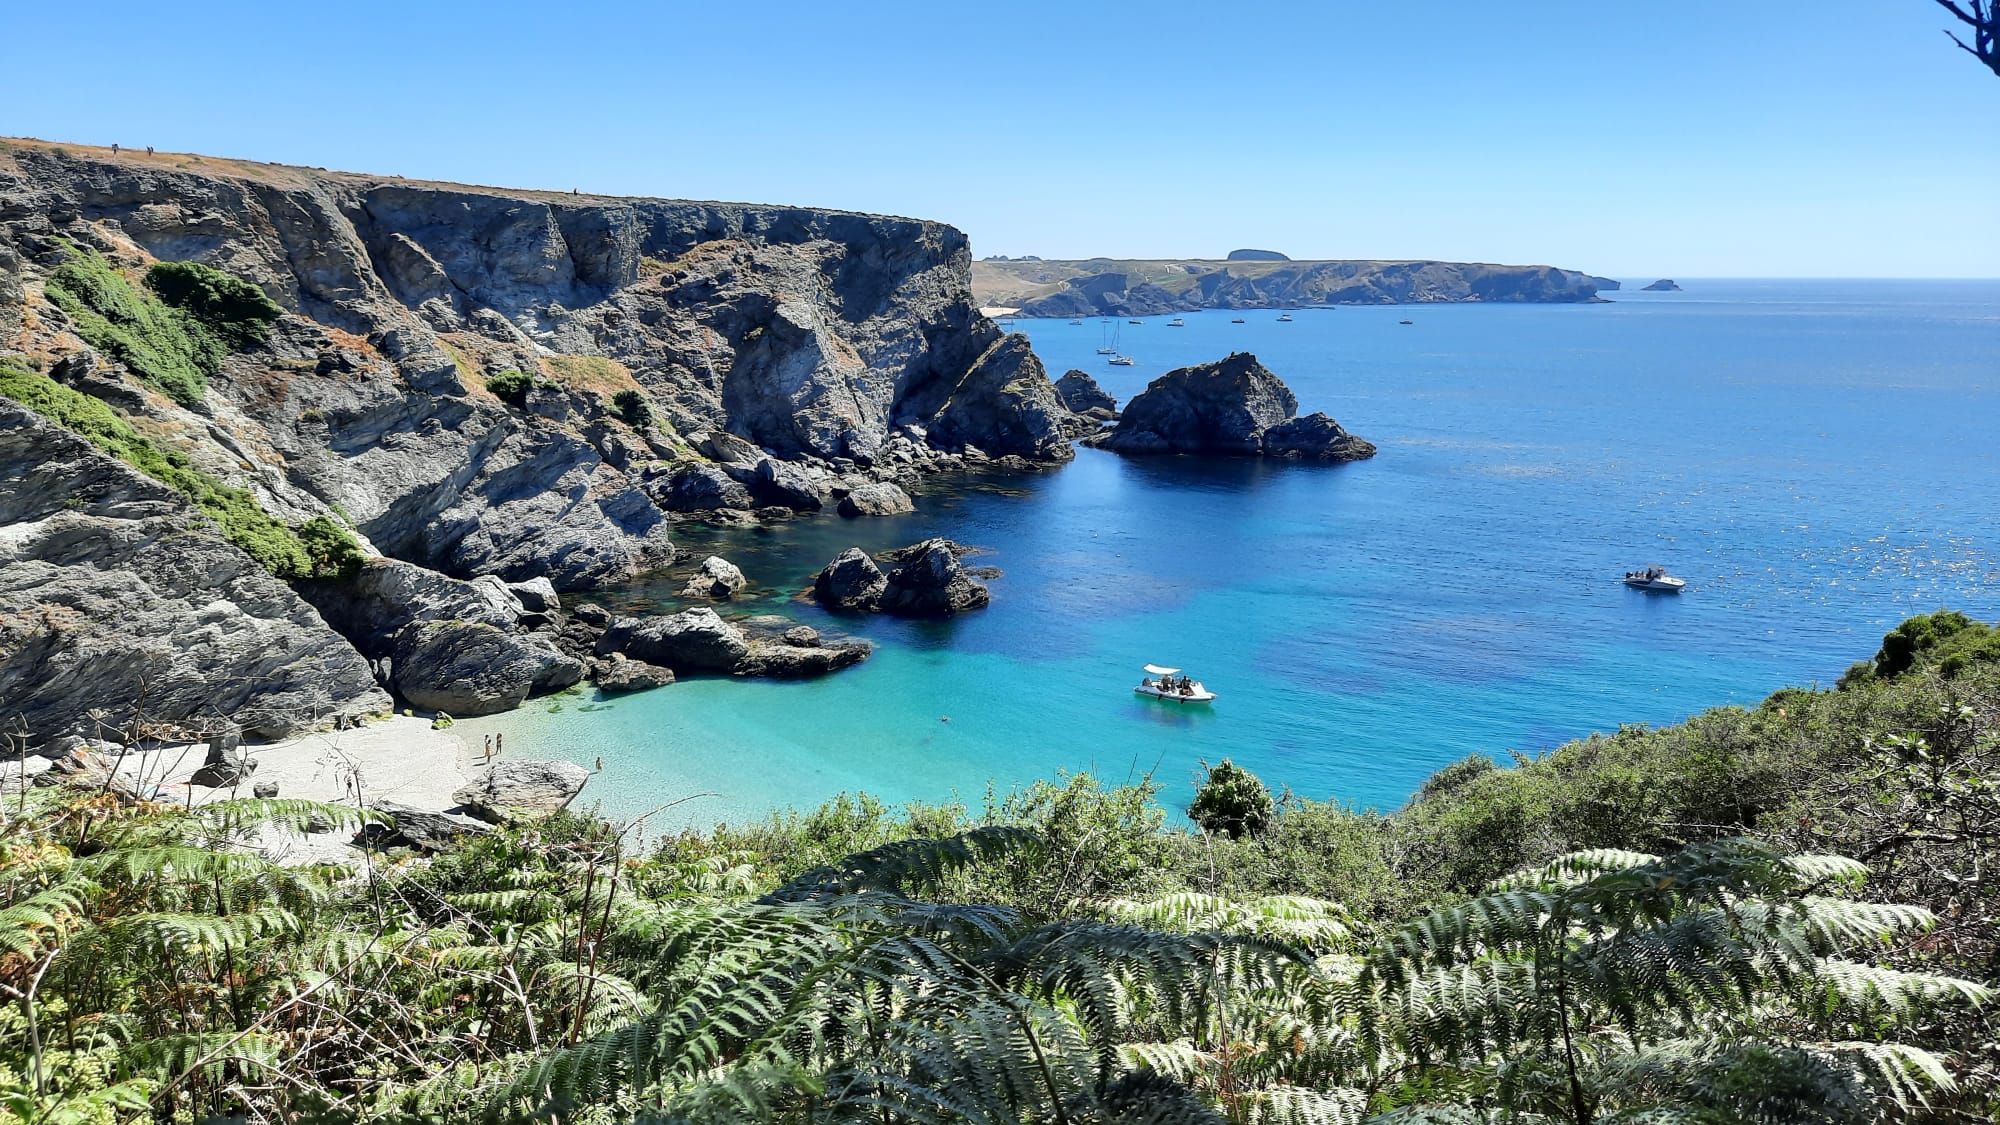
<point x="647" y="333"/>
<point x="1103" y="287"/>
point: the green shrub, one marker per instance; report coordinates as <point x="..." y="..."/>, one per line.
<point x="632" y="408"/>
<point x="511" y="386"/>
<point x="164" y="346"/>
<point x="324" y="548"/>
<point x="1946" y="640"/>
<point x="334" y="551"/>
<point x="1231" y="801"/>
<point x="237" y="312"/>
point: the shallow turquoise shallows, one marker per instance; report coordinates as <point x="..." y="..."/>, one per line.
<point x="1817" y="459"/>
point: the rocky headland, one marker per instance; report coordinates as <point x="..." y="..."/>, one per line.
<point x="1148" y="287"/>
<point x="292" y="447"/>
<point x="1232" y="407"/>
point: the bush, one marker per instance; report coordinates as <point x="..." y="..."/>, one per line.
<point x="334" y="551"/>
<point x="1231" y="801"/>
<point x="1946" y="640"/>
<point x="511" y="386"/>
<point x="163" y="346"/>
<point x="321" y="543"/>
<point x="237" y="312"/>
<point x="632" y="408"/>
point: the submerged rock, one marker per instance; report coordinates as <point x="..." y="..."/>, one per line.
<point x="878" y="499"/>
<point x="1234" y="407"/>
<point x="513" y="791"/>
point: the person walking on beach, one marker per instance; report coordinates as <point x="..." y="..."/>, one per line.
<point x="487" y="755"/>
<point x="496" y="744"/>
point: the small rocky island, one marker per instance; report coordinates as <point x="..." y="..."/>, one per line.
<point x="1664" y="285"/>
<point x="1232" y="407"/>
<point x="923" y="580"/>
<point x="1085" y="398"/>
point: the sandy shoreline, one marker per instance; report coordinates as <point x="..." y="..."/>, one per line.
<point x="397" y="759"/>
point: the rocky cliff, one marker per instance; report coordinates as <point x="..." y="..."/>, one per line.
<point x="1106" y="287"/>
<point x="491" y="382"/>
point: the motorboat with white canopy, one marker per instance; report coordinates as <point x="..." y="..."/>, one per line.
<point x="1168" y="684"/>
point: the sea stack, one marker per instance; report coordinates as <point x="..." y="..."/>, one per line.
<point x="1664" y="285"/>
<point x="1232" y="407"/>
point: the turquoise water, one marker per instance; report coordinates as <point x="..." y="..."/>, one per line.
<point x="1818" y="459"/>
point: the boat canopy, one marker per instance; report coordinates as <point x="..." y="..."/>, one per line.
<point x="1156" y="670"/>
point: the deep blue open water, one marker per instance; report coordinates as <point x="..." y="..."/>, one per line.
<point x="1817" y="458"/>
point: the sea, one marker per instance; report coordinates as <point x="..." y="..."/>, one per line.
<point x="1818" y="459"/>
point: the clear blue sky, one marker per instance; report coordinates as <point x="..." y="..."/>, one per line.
<point x="1693" y="138"/>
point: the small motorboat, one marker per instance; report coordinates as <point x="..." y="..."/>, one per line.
<point x="1076" y="322"/>
<point x="1406" y="322"/>
<point x="1285" y="319"/>
<point x="1170" y="685"/>
<point x="1177" y="322"/>
<point x="1121" y="361"/>
<point x="1135" y="321"/>
<point x="1236" y="320"/>
<point x="1654" y="579"/>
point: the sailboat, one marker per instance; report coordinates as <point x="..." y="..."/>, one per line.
<point x="1109" y="345"/>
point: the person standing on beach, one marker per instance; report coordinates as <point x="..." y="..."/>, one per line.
<point x="496" y="744"/>
<point x="488" y="753"/>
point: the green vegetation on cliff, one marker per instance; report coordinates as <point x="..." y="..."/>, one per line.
<point x="1502" y="950"/>
<point x="174" y="336"/>
<point x="321" y="547"/>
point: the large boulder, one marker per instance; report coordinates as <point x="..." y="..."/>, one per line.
<point x="619" y="673"/>
<point x="790" y="485"/>
<point x="716" y="577"/>
<point x="1315" y="437"/>
<point x="1082" y="395"/>
<point x="695" y="640"/>
<point x="851" y="582"/>
<point x="426" y="829"/>
<point x="879" y="498"/>
<point x="930" y="582"/>
<point x="1234" y="407"/>
<point x="513" y="791"/>
<point x="780" y="660"/>
<point x="444" y="643"/>
<point x="702" y="487"/>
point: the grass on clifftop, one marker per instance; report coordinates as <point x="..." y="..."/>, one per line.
<point x="320" y="548"/>
<point x="174" y="333"/>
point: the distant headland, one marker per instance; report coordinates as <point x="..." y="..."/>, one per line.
<point x="1259" y="279"/>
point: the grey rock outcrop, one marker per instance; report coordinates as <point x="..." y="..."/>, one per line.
<point x="226" y="763"/>
<point x="1082" y="395"/>
<point x="925" y="580"/>
<point x="1232" y="407"/>
<point x="851" y="582"/>
<point x="618" y="673"/>
<point x="716" y="577"/>
<point x="702" y="487"/>
<point x="425" y="829"/>
<point x="442" y="643"/>
<point x="513" y="791"/>
<point x="878" y="498"/>
<point x="114" y="594"/>
<point x="1664" y="285"/>
<point x="699" y="640"/>
<point x="1003" y="406"/>
<point x="695" y="640"/>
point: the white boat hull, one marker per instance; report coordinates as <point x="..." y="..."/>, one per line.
<point x="1657" y="585"/>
